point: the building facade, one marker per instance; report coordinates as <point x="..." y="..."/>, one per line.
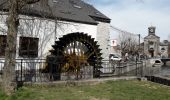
<point x="152" y="45"/>
<point x="47" y="21"/>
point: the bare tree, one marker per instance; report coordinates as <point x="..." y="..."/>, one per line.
<point x="40" y="28"/>
<point x="128" y="43"/>
<point x="9" y="81"/>
<point x="30" y="27"/>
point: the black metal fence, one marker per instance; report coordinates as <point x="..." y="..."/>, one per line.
<point x="26" y="69"/>
<point x="117" y="68"/>
<point x="159" y="79"/>
<point x="36" y="70"/>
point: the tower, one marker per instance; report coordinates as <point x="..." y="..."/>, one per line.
<point x="151" y="43"/>
<point x="151" y="30"/>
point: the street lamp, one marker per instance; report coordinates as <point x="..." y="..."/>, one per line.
<point x="139" y="46"/>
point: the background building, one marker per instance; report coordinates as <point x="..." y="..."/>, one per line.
<point x="152" y="45"/>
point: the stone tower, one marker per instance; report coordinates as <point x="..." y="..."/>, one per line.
<point x="151" y="43"/>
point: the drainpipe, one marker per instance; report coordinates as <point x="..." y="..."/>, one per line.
<point x="55" y="33"/>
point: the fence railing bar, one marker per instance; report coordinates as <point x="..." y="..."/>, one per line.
<point x="31" y="70"/>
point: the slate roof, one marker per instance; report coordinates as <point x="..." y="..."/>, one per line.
<point x="67" y="10"/>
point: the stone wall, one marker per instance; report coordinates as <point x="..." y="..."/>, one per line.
<point x="156" y="42"/>
<point x="164" y="53"/>
<point x="149" y="67"/>
<point x="103" y="37"/>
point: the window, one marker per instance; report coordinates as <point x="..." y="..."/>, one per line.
<point x="55" y="1"/>
<point x="28" y="47"/>
<point x="76" y="6"/>
<point x="162" y="49"/>
<point x="3" y="41"/>
<point x="151" y="43"/>
<point x="97" y="13"/>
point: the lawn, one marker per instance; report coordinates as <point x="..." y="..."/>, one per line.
<point x="111" y="90"/>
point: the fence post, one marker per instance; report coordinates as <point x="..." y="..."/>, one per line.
<point x="19" y="76"/>
<point x="136" y="68"/>
<point x="119" y="72"/>
<point x="21" y="69"/>
<point x="141" y="68"/>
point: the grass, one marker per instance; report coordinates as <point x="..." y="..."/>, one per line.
<point x="111" y="90"/>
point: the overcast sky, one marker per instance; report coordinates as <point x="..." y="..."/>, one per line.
<point x="136" y="16"/>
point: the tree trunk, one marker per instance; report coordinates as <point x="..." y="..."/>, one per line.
<point x="9" y="77"/>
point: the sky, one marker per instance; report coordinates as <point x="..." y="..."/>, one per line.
<point x="135" y="16"/>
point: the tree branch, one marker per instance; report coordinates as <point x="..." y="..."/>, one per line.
<point x="30" y="1"/>
<point x="22" y="3"/>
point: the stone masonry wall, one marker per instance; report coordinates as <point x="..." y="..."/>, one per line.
<point x="103" y="37"/>
<point x="155" y="45"/>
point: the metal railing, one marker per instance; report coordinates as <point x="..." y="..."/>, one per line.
<point x="26" y="69"/>
<point x="36" y="70"/>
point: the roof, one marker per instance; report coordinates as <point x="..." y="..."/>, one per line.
<point x="163" y="44"/>
<point x="67" y="10"/>
<point x="151" y="37"/>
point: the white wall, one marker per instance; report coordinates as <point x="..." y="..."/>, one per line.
<point x="64" y="28"/>
<point x="46" y="32"/>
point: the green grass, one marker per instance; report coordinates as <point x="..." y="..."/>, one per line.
<point x="111" y="90"/>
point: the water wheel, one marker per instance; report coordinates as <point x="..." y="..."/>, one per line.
<point x="76" y="49"/>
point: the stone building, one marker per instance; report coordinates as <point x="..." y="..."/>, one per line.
<point x="164" y="48"/>
<point x="48" y="21"/>
<point x="71" y="32"/>
<point x="152" y="45"/>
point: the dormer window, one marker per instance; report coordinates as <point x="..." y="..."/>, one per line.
<point x="77" y="6"/>
<point x="55" y="1"/>
<point x="97" y="13"/>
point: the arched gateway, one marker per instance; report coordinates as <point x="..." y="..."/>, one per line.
<point x="73" y="53"/>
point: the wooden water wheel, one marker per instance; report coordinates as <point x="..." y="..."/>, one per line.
<point x="75" y="50"/>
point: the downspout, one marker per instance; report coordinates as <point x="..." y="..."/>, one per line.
<point x="55" y="33"/>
